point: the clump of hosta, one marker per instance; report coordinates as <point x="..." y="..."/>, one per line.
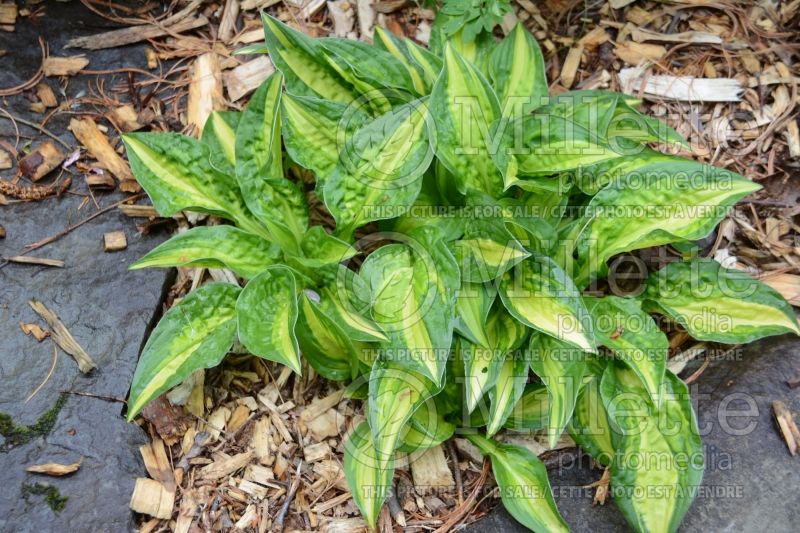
<point x="470" y="215"/>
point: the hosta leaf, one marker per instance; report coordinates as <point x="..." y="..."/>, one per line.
<point x="633" y="336"/>
<point x="219" y="134"/>
<point x="413" y="301"/>
<point x="426" y="428"/>
<point x="589" y="426"/>
<point x="518" y="72"/>
<point x="314" y="132"/>
<point x="541" y="144"/>
<point x="380" y="168"/>
<point x="368" y="476"/>
<point x="506" y="391"/>
<point x="320" y="249"/>
<point x="472" y="310"/>
<point x="303" y="64"/>
<point x="659" y="461"/>
<point x="656" y="205"/>
<point x="394" y="395"/>
<point x="195" y="333"/>
<point x="177" y="173"/>
<point x="483" y="363"/>
<point x="323" y="343"/>
<point x="524" y="487"/>
<point x="342" y="307"/>
<point x="531" y="411"/>
<point x="718" y="304"/>
<point x="487" y="250"/>
<point x="378" y="68"/>
<point x="422" y="66"/>
<point x="464" y="107"/>
<point x="590" y="179"/>
<point x="561" y="368"/>
<point x="538" y="293"/>
<point x="214" y="246"/>
<point x="267" y="313"/>
<point x="277" y="202"/>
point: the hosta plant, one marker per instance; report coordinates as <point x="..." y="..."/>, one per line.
<point x="425" y="227"/>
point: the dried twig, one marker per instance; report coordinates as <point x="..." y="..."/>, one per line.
<point x="463" y="509"/>
<point x="47" y="377"/>
<point x="61" y="335"/>
<point x="278" y="524"/>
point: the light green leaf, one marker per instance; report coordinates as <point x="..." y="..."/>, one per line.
<point x="506" y="391"/>
<point x="343" y="307"/>
<point x="524" y="487"/>
<point x="718" y="304"/>
<point x="323" y="343"/>
<point x="303" y="63"/>
<point x="321" y="249"/>
<point x="656" y="205"/>
<point x="518" y="72"/>
<point x="378" y="68"/>
<point x="561" y="368"/>
<point x="426" y="428"/>
<point x="633" y="336"/>
<point x="368" y="476"/>
<point x="195" y="333"/>
<point x="464" y="107"/>
<point x="177" y="173"/>
<point x="413" y="300"/>
<point x="589" y="426"/>
<point x="590" y="179"/>
<point x="394" y="395"/>
<point x="277" y="202"/>
<point x="380" y="168"/>
<point x="267" y="313"/>
<point x="654" y="450"/>
<point x="531" y="411"/>
<point x="472" y="309"/>
<point x="219" y="134"/>
<point x="422" y="66"/>
<point x="216" y="247"/>
<point x="315" y="130"/>
<point x="538" y="293"/>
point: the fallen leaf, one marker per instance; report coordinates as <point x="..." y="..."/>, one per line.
<point x="34" y="329"/>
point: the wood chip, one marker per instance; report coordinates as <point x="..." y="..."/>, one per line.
<point x="98" y="146"/>
<point x="792" y="135"/>
<point x="205" y="91"/>
<point x="693" y="37"/>
<point x="787" y="425"/>
<point x="635" y="53"/>
<point x="328" y="424"/>
<point x="227" y="22"/>
<point x="138" y="211"/>
<point x="320" y="406"/>
<point x="683" y="88"/>
<point x="469" y="450"/>
<point x="28" y="260"/>
<point x="157" y="463"/>
<point x="54" y="469"/>
<point x="64" y="66"/>
<point x="151" y="498"/>
<point x="62" y="336"/>
<point x="430" y="472"/>
<point x="101" y="179"/>
<point x="46" y="95"/>
<point x="570" y="67"/>
<point x="317" y="452"/>
<point x="35" y="330"/>
<point x="127" y="119"/>
<point x="788" y="285"/>
<point x="134" y="34"/>
<point x="41" y="161"/>
<point x="8" y="13"/>
<point x="366" y="18"/>
<point x="5" y="160"/>
<point x="246" y="78"/>
<point x="224" y="467"/>
<point x="114" y="241"/>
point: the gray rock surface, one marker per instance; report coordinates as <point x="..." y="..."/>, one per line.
<point x="106" y="308"/>
<point x="751" y="481"/>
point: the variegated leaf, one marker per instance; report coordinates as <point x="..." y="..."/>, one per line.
<point x="323" y="343"/>
<point x="423" y="67"/>
<point x="368" y="476"/>
<point x="380" y="169"/>
<point x="718" y="304"/>
<point x="303" y="63"/>
<point x="524" y="487"/>
<point x="538" y="293"/>
<point x="267" y="313"/>
<point x="633" y="336"/>
<point x="177" y="173"/>
<point x="464" y="107"/>
<point x="655" y="205"/>
<point x="472" y="310"/>
<point x="195" y="333"/>
<point x="561" y="368"/>
<point x="506" y="391"/>
<point x="219" y="134"/>
<point x="518" y="73"/>
<point x="371" y="64"/>
<point x="590" y="427"/>
<point x="216" y="247"/>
